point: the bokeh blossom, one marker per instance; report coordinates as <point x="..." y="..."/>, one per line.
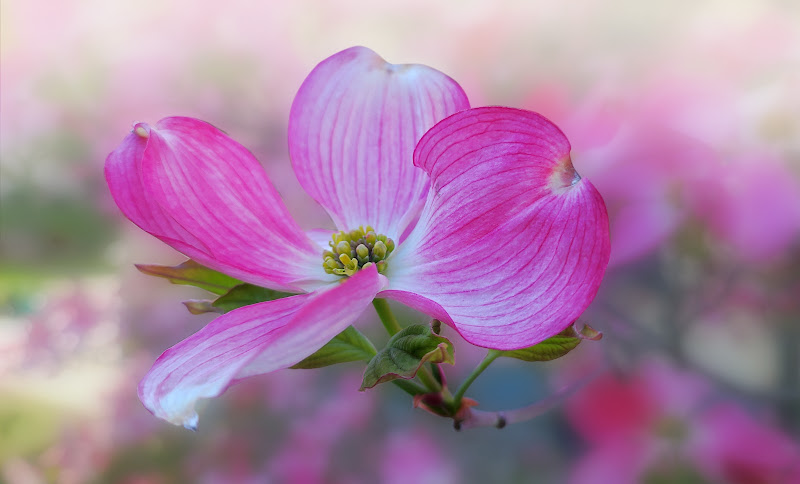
<point x="480" y="180"/>
<point x="412" y="456"/>
<point x="664" y="423"/>
<point x="705" y="268"/>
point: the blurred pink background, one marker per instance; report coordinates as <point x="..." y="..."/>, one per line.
<point x="685" y="115"/>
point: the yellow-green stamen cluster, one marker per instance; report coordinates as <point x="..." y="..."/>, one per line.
<point x="357" y="249"/>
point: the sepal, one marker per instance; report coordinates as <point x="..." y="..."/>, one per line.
<point x="556" y="346"/>
<point x="405" y="353"/>
<point x="190" y="273"/>
<point x="201" y="306"/>
<point x="349" y="345"/>
<point x="245" y="295"/>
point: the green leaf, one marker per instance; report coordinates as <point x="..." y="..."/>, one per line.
<point x="554" y="347"/>
<point x="245" y="295"/>
<point x="190" y="273"/>
<point x="405" y="353"/>
<point x="349" y="345"/>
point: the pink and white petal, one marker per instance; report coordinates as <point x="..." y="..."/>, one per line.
<point x="196" y="189"/>
<point x="124" y="178"/>
<point x="512" y="244"/>
<point x="321" y="237"/>
<point x="352" y="131"/>
<point x="249" y="341"/>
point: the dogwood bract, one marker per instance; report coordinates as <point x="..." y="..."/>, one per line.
<point x="485" y="225"/>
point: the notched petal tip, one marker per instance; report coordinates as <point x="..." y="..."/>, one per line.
<point x="374" y="61"/>
<point x="564" y="176"/>
<point x="141" y="130"/>
<point x="352" y="131"/>
<point x="370" y="58"/>
<point x="191" y="423"/>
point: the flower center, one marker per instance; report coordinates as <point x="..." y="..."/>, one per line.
<point x="357" y="249"/>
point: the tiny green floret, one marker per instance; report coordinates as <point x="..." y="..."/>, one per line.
<point x="357" y="249"/>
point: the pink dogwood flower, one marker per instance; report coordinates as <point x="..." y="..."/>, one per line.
<point x="493" y="231"/>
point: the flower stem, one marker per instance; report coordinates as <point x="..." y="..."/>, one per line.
<point x="387" y="317"/>
<point x="427" y="379"/>
<point x="490" y="357"/>
<point x="409" y="387"/>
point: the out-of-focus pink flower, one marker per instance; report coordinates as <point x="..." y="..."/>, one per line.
<point x="746" y="195"/>
<point x="733" y="447"/>
<point x="509" y="248"/>
<point x="661" y="421"/>
<point x="79" y="463"/>
<point x="752" y="205"/>
<point x="411" y="456"/>
<point x="72" y="319"/>
<point x="306" y="455"/>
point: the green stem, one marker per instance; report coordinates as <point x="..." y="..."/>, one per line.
<point x="427" y="379"/>
<point x="409" y="387"/>
<point x="387" y="318"/>
<point x="490" y="357"/>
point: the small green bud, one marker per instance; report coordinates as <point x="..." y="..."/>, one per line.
<point x="343" y="247"/>
<point x="362" y="251"/>
<point x="382" y="238"/>
<point x="389" y="246"/>
<point x="371" y="238"/>
<point x="328" y="254"/>
<point x="368" y="264"/>
<point x="381" y="266"/>
<point x="378" y="251"/>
